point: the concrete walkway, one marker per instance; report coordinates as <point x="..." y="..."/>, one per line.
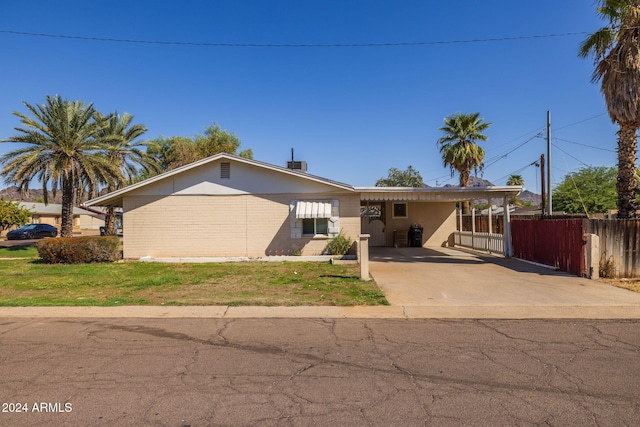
<point x="457" y="280"/>
<point x="422" y="283"/>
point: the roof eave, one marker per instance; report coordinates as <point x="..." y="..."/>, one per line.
<point x="435" y="194"/>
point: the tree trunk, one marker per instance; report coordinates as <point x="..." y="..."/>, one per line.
<point x="66" y="229"/>
<point x="626" y="183"/>
<point x="464" y="182"/>
<point x="110" y="222"/>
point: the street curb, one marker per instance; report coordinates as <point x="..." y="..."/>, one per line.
<point x="358" y="312"/>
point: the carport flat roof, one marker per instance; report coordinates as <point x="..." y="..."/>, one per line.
<point x="435" y="194"/>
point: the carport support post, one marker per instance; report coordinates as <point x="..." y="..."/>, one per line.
<point x="490" y="218"/>
<point x="473" y="226"/>
<point x="363" y="255"/>
<point x="508" y="249"/>
<point x="490" y="228"/>
<point x="473" y="220"/>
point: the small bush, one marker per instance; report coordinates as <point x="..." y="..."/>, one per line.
<point x="339" y="245"/>
<point x="79" y="250"/>
<point x="607" y="267"/>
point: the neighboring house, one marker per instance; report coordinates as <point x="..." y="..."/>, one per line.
<point x="498" y="210"/>
<point x="83" y="218"/>
<point x="226" y="205"/>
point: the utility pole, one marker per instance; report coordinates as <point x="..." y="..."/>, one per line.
<point x="549" y="203"/>
<point x="543" y="202"/>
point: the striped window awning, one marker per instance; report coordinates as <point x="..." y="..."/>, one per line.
<point x="308" y="209"/>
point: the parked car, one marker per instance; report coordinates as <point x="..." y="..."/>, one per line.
<point x="33" y="231"/>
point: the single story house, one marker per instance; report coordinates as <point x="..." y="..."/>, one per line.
<point x="229" y="206"/>
<point x="83" y="218"/>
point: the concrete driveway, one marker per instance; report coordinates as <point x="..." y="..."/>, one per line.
<point x="446" y="277"/>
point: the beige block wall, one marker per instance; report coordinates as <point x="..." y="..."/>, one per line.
<point x="55" y="220"/>
<point x="43" y="219"/>
<point x="437" y="218"/>
<point x="89" y="222"/>
<point x="229" y="225"/>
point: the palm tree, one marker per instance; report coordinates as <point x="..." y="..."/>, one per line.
<point x="616" y="52"/>
<point x="515" y="179"/>
<point x="459" y="148"/>
<point x="62" y="150"/>
<point x="118" y="134"/>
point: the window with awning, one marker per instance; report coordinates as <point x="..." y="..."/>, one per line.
<point x="314" y="218"/>
<point x="312" y="209"/>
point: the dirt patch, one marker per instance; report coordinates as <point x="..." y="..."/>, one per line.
<point x="630" y="284"/>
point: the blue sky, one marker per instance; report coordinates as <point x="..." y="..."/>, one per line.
<point x="350" y="112"/>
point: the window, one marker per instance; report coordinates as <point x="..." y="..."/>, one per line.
<point x="400" y="210"/>
<point x="225" y="170"/>
<point x="315" y="226"/>
<point x="314" y="218"/>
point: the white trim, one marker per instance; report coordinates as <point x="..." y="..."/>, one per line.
<point x="434" y="194"/>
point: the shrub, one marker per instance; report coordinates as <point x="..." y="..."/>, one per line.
<point x="607" y="267"/>
<point x="339" y="245"/>
<point x="79" y="250"/>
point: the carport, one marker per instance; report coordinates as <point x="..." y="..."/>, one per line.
<point x="387" y="214"/>
<point x="447" y="277"/>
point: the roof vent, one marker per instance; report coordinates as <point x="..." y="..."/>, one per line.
<point x="296" y="164"/>
<point x="225" y="170"/>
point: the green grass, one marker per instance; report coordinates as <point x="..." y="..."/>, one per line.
<point x="27" y="282"/>
<point x="19" y="252"/>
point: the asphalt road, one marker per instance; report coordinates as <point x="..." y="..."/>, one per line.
<point x="298" y="372"/>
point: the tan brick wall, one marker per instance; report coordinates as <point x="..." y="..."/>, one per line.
<point x="230" y="225"/>
<point x="56" y="221"/>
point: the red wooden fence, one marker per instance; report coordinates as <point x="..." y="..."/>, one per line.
<point x="555" y="242"/>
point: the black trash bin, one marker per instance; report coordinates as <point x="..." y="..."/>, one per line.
<point x="415" y="235"/>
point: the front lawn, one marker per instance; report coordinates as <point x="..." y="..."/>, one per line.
<point x="19" y="251"/>
<point x="27" y="282"/>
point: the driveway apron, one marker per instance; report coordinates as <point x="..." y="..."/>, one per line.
<point x="452" y="277"/>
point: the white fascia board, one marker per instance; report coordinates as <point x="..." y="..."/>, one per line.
<point x="436" y="194"/>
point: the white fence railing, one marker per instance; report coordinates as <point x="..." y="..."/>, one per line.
<point x="490" y="242"/>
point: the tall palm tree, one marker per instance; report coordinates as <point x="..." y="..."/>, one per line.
<point x="515" y="179"/>
<point x="616" y="52"/>
<point x="118" y="135"/>
<point x="459" y="147"/>
<point x="62" y="150"/>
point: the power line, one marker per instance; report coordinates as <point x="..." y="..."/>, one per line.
<point x="578" y="122"/>
<point x="536" y="131"/>
<point x="534" y="163"/>
<point x="495" y="159"/>
<point x="440" y="177"/>
<point x="573" y="157"/>
<point x="585" y="145"/>
<point x="288" y="45"/>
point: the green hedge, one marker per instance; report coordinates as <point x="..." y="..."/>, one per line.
<point x="79" y="250"/>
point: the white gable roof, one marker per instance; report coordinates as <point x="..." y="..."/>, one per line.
<point x="52" y="209"/>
